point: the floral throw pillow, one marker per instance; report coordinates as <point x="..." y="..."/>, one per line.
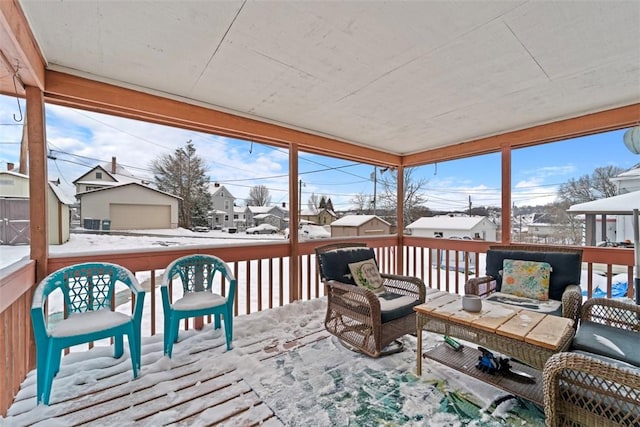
<point x="528" y="279"/>
<point x="366" y="275"/>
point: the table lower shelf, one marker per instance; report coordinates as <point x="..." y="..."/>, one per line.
<point x="466" y="359"/>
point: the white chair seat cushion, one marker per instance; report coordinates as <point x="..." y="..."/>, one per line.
<point x="198" y="300"/>
<point x="88" y="322"/>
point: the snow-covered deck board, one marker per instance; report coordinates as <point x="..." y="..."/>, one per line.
<point x="192" y="389"/>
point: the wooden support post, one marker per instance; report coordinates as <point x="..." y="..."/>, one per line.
<point x="506" y="194"/>
<point x="400" y="222"/>
<point x="38" y="181"/>
<point x="294" y="220"/>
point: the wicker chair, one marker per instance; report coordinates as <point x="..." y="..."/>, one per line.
<point x="354" y="314"/>
<point x="598" y="383"/>
<point x="565" y="278"/>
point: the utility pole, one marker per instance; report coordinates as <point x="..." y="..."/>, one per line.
<point x="300" y="184"/>
<point x="469" y="204"/>
<point x="375" y="187"/>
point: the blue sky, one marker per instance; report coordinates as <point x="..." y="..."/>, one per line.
<point x="80" y="140"/>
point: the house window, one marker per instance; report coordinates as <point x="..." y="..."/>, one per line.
<point x="221" y="193"/>
<point x="98" y="175"/>
<point x="226" y="218"/>
<point x="226" y="205"/>
<point x="235" y="216"/>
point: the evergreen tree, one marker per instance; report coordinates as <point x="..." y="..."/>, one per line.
<point x="182" y="173"/>
<point x="329" y="205"/>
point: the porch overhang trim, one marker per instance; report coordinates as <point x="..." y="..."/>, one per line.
<point x="79" y="92"/>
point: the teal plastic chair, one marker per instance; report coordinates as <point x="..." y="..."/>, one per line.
<point x="197" y="274"/>
<point x="88" y="291"/>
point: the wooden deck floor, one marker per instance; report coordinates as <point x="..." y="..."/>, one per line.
<point x="191" y="394"/>
<point x="284" y="369"/>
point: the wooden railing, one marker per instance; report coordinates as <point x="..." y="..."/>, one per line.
<point x="434" y="260"/>
<point x="17" y="349"/>
<point x="263" y="281"/>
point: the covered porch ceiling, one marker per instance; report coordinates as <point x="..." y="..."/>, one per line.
<point x="400" y="78"/>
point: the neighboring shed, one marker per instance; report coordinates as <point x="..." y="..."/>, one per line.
<point x="447" y="226"/>
<point x="14" y="209"/>
<point x="129" y="206"/>
<point x="59" y="206"/>
<point x="359" y="225"/>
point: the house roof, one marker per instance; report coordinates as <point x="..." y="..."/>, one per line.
<point x="100" y="183"/>
<point x="16" y="174"/>
<point x="355" y="220"/>
<point x="60" y="195"/>
<point x="256" y="210"/>
<point x="623" y="204"/>
<point x="446" y="222"/>
<point x="121" y="176"/>
<point x="346" y="70"/>
<point x="631" y="174"/>
<point x="227" y="192"/>
<point x="126" y="185"/>
<point x="57" y="191"/>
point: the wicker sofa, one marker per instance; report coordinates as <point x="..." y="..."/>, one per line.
<point x="598" y="382"/>
<point x="362" y="320"/>
<point x="565" y="277"/>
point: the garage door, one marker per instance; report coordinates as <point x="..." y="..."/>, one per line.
<point x="139" y="217"/>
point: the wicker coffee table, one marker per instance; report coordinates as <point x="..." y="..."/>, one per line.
<point x="524" y="335"/>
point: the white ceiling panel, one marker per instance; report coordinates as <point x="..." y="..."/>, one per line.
<point x="403" y="77"/>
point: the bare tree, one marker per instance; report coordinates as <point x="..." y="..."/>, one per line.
<point x="259" y="196"/>
<point x="314" y="202"/>
<point x="361" y="202"/>
<point x="413" y="199"/>
<point x="598" y="185"/>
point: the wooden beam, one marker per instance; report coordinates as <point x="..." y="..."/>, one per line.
<point x="38" y="182"/>
<point x="20" y="49"/>
<point x="78" y="92"/>
<point x="588" y="124"/>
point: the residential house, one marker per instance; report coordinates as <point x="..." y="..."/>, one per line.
<point x="450" y="226"/>
<point x="112" y="198"/>
<point x="14" y="210"/>
<point x="324" y="214"/>
<point x="359" y="225"/>
<point x="319" y="216"/>
<point x="223" y="213"/>
<point x="277" y="216"/>
<point x="619" y="228"/>
<point x="239" y="217"/>
<point x="628" y="181"/>
<point x="107" y="175"/>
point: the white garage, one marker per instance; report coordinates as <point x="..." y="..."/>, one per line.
<point x="130" y="206"/>
<point x="139" y="217"/>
